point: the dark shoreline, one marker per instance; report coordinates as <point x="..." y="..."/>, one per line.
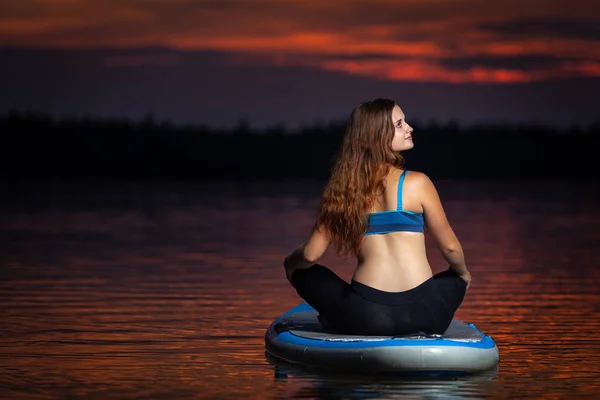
<point x="38" y="147"/>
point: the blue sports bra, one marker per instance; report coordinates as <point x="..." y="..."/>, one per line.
<point x="396" y="220"/>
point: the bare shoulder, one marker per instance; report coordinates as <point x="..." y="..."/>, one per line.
<point x="414" y="181"/>
<point x="418" y="179"/>
<point x="421" y="185"/>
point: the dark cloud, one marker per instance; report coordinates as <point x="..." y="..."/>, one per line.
<point x="522" y="63"/>
<point x="358" y="57"/>
<point x="23" y="9"/>
<point x="205" y="88"/>
<point x="571" y="28"/>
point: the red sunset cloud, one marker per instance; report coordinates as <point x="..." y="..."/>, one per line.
<point x="441" y="41"/>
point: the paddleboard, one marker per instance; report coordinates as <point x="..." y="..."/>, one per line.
<point x="298" y="337"/>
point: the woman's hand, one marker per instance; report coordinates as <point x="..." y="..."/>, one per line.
<point x="466" y="276"/>
<point x="307" y="254"/>
<point x="295" y="261"/>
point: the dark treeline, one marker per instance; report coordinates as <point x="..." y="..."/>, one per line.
<point x="40" y="147"/>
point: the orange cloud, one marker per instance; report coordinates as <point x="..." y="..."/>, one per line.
<point x="419" y="71"/>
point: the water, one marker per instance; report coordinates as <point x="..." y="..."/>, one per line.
<point x="165" y="291"/>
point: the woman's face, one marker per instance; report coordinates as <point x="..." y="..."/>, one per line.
<point x="402" y="131"/>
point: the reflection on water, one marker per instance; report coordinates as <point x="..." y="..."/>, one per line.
<point x="165" y="291"/>
<point x="331" y="386"/>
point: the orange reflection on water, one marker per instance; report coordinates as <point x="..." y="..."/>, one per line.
<point x="164" y="310"/>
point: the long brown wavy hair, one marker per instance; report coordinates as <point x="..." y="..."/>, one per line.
<point x="358" y="174"/>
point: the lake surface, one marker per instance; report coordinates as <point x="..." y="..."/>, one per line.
<point x="114" y="290"/>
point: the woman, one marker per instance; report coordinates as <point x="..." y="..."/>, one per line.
<point x="376" y="210"/>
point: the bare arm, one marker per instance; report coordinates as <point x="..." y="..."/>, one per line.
<point x="308" y="253"/>
<point x="439" y="227"/>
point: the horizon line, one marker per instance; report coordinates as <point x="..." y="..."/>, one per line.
<point x="244" y="123"/>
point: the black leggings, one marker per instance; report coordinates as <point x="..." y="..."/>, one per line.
<point x="359" y="309"/>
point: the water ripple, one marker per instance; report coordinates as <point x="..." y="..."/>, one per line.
<point x="170" y="297"/>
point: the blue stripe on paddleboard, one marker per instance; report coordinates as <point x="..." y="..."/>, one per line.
<point x="288" y="337"/>
<point x="302" y="307"/>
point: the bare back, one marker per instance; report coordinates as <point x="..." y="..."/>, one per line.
<point x="395" y="261"/>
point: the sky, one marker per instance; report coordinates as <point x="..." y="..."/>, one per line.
<point x="298" y="62"/>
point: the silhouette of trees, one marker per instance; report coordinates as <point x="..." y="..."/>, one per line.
<point x="38" y="146"/>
